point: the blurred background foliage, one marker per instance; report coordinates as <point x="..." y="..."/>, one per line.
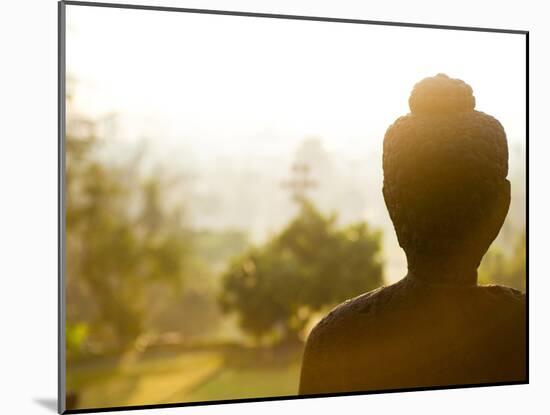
<point x="160" y="309"/>
<point x="506" y="267"/>
<point x="124" y="245"/>
<point x="310" y="265"/>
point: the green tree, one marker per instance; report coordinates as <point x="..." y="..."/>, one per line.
<point x="310" y="265"/>
<point x="123" y="245"/>
<point x="506" y="269"/>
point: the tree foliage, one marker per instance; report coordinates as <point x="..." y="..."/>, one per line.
<point x="310" y="265"/>
<point x="122" y="244"/>
<point x="506" y="269"/>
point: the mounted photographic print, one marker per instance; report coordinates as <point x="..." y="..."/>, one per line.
<point x="258" y="206"/>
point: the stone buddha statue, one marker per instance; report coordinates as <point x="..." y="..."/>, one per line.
<point x="445" y="166"/>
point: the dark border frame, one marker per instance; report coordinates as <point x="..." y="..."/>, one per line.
<point x="61" y="364"/>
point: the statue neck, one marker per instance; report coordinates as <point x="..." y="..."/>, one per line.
<point x="443" y="270"/>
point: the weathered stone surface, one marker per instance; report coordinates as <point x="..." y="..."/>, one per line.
<point x="418" y="334"/>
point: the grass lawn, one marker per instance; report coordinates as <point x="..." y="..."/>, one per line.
<point x="146" y="380"/>
<point x="248" y="383"/>
<point x="187" y="376"/>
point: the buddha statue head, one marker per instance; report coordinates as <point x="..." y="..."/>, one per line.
<point x="445" y="166"/>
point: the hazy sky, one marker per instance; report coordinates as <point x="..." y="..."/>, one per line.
<point x="236" y="85"/>
<point x="206" y="87"/>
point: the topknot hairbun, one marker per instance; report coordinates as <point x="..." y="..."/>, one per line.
<point x="441" y="94"/>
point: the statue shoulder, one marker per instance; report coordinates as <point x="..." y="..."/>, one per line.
<point x="503" y="304"/>
<point x="503" y="293"/>
<point x="345" y="316"/>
